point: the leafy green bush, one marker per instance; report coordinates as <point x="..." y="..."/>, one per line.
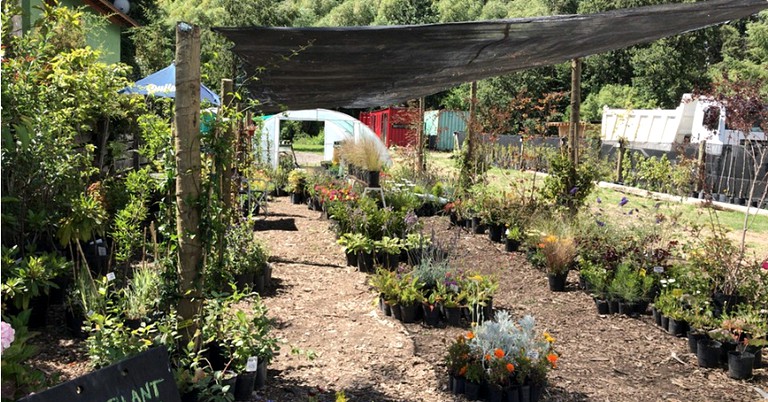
<point x="568" y="186"/>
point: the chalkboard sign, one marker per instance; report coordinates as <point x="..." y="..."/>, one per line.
<point x="145" y="377"/>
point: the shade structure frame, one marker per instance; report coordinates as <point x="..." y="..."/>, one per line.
<point x="368" y="66"/>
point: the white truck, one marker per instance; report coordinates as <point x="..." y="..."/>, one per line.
<point x="663" y="130"/>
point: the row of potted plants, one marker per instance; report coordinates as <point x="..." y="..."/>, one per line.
<point x="734" y="339"/>
<point x="435" y="292"/>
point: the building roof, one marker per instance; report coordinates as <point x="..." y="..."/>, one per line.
<point x="361" y="67"/>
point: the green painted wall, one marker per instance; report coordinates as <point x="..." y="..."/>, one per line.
<point x="101" y="34"/>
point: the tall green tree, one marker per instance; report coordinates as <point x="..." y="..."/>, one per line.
<point x="405" y="12"/>
<point x="59" y="97"/>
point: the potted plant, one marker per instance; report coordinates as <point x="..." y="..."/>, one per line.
<point x="457" y="360"/>
<point x="452" y="298"/>
<point x="475" y="379"/>
<point x="142" y="296"/>
<point x="364" y="154"/>
<point x="558" y="253"/>
<point x="501" y="369"/>
<point x="27" y="281"/>
<point x="245" y="259"/>
<point x="596" y="278"/>
<point x="388" y="251"/>
<point x="82" y="298"/>
<point x="409" y="297"/>
<point x="630" y="286"/>
<point x="358" y="249"/>
<point x="415" y="247"/>
<point x="297" y="185"/>
<point x="384" y="282"/>
<point x="480" y="290"/>
<point x="514" y="237"/>
<point x="741" y="361"/>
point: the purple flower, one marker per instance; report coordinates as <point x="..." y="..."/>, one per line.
<point x="574" y="191"/>
<point x="411" y="219"/>
<point x="600" y="223"/>
<point x="599" y="201"/>
<point x="624" y="201"/>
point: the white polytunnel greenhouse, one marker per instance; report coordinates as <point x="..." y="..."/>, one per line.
<point x="338" y="127"/>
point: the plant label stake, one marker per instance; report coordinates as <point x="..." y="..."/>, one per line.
<point x="252" y="364"/>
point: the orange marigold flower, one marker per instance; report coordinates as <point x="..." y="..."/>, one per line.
<point x="488" y="357"/>
<point x="498" y="353"/>
<point x="470" y="335"/>
<point x="552" y="359"/>
<point x="463" y="371"/>
<point x="510" y="367"/>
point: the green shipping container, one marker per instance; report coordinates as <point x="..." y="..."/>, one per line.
<point x="440" y="125"/>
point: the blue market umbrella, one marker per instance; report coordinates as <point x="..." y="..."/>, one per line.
<point x="163" y="83"/>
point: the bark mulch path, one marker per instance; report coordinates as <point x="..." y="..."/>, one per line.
<point x="323" y="306"/>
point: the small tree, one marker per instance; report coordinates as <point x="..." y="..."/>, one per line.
<point x="745" y="103"/>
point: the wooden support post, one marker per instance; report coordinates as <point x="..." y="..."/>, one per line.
<point x="227" y="95"/>
<point x="573" y="129"/>
<point x="702" y="166"/>
<point x="422" y="144"/>
<point x="188" y="165"/>
<point x="469" y="166"/>
<point x="620" y="161"/>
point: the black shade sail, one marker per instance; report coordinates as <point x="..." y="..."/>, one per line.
<point x="359" y="67"/>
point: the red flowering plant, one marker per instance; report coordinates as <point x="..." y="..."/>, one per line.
<point x="501" y="369"/>
<point x="457" y="358"/>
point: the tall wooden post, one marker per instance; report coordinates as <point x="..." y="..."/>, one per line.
<point x="573" y="130"/>
<point x="620" y="160"/>
<point x="468" y="168"/>
<point x="702" y="166"/>
<point x="188" y="163"/>
<point x="227" y="88"/>
<point x="422" y="145"/>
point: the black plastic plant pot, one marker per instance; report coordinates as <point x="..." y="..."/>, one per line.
<point x="372" y="178"/>
<point x="694" y="337"/>
<point x="452" y="316"/>
<point x="740" y="365"/>
<point x="602" y="306"/>
<point x="557" y="282"/>
<point x="351" y="259"/>
<point x="708" y="353"/>
<point x="677" y="327"/>
<point x="477" y="226"/>
<point x="511" y="245"/>
<point x="431" y="314"/>
<point x="409" y="313"/>
<point x="495" y="233"/>
<point x="244" y="386"/>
